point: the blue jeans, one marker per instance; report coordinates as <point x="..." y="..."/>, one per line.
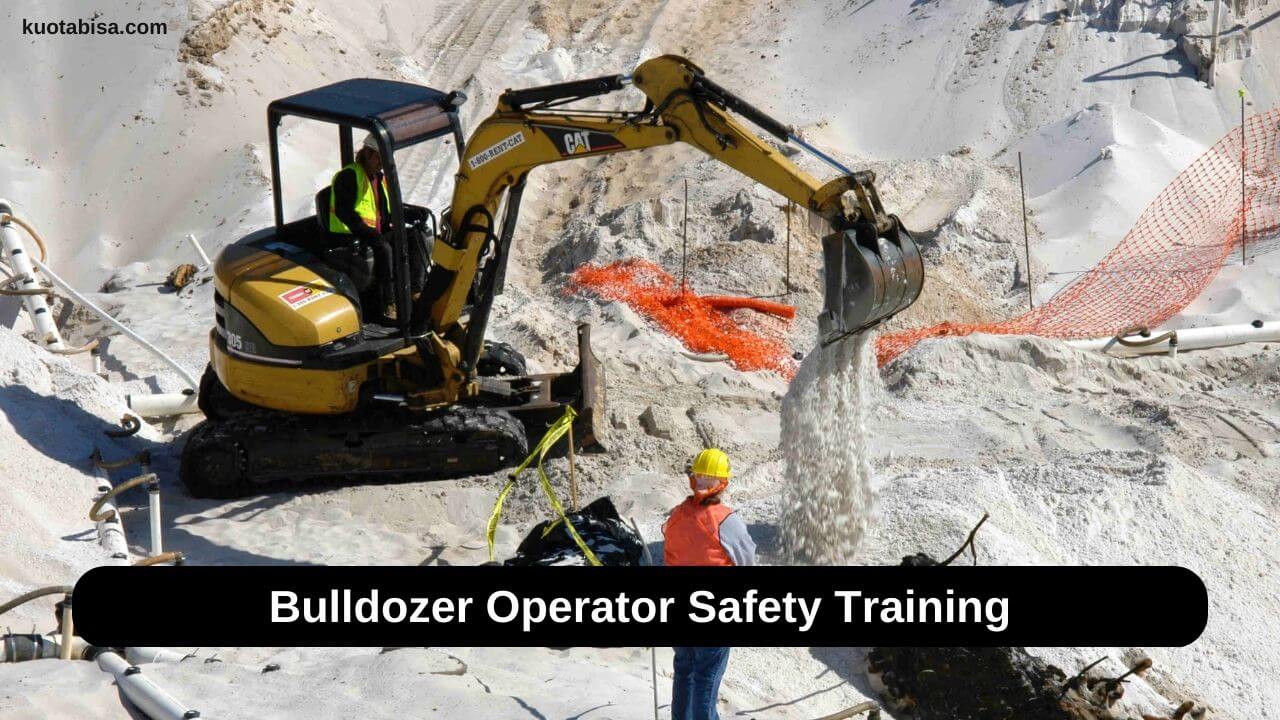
<point x="698" y="671"/>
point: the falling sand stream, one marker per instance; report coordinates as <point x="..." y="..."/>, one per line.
<point x="828" y="496"/>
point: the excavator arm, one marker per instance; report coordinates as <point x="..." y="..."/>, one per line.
<point x="872" y="267"/>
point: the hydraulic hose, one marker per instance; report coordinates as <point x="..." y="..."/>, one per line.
<point x="87" y="347"/>
<point x="97" y="504"/>
<point x="7" y="290"/>
<point x="173" y="556"/>
<point x="142" y="458"/>
<point x="129" y="426"/>
<point x="37" y="593"/>
<point x="1123" y="338"/>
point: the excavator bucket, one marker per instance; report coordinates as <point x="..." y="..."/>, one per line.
<point x="869" y="277"/>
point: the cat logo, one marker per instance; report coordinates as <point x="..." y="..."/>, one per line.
<point x="577" y="142"/>
<point x="581" y="141"/>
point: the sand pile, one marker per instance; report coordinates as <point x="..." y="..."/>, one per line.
<point x="51" y="417"/>
<point x="828" y="492"/>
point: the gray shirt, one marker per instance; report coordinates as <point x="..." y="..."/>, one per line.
<point x="736" y="541"/>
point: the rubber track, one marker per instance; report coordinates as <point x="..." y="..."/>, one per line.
<point x="226" y="440"/>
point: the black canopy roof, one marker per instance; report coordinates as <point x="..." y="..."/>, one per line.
<point x="358" y="99"/>
<point x="398" y="114"/>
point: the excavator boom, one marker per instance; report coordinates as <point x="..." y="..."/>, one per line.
<point x="873" y="268"/>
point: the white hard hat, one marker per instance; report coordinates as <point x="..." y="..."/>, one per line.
<point x="371" y="142"/>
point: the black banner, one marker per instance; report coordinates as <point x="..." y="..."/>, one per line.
<point x="619" y="606"/>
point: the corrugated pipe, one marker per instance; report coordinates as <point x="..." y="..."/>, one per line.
<point x="1175" y="341"/>
<point x="734" y="302"/>
<point x="145" y="695"/>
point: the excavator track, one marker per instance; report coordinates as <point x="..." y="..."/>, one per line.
<point x="263" y="451"/>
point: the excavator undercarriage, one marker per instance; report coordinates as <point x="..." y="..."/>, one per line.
<point x="244" y="449"/>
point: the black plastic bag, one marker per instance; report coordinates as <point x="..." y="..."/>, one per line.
<point x="612" y="540"/>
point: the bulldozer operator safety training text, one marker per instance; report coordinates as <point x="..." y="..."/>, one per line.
<point x="504" y="607"/>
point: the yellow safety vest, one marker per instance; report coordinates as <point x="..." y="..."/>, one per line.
<point x="365" y="200"/>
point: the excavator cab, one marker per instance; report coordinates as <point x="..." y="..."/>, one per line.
<point x="398" y="116"/>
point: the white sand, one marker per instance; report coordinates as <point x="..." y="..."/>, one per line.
<point x="1078" y="459"/>
<point x="826" y="506"/>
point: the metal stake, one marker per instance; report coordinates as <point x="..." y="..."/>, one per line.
<point x="684" y="237"/>
<point x="1213" y="45"/>
<point x="653" y="651"/>
<point x="1243" y="258"/>
<point x="787" y="281"/>
<point x="1026" y="240"/>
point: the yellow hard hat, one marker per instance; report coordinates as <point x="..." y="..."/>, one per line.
<point x="712" y="463"/>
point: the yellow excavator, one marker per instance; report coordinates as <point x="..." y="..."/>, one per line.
<point x="306" y="381"/>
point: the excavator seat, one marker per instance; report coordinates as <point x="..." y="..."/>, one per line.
<point x="341" y="251"/>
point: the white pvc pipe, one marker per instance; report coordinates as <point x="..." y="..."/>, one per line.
<point x="106" y="317"/>
<point x="153" y="503"/>
<point x="1189" y="339"/>
<point x="20" y="262"/>
<point x="148" y="697"/>
<point x="68" y="630"/>
<point x="111" y="527"/>
<point x="163" y="404"/>
<point x="144" y="655"/>
<point x="199" y="250"/>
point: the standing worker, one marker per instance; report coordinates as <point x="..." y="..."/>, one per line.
<point x="702" y="530"/>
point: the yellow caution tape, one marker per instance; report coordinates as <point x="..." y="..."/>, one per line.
<point x="557" y="430"/>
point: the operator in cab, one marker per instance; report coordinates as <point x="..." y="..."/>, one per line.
<point x="360" y="212"/>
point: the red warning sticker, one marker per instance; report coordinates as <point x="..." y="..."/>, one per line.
<point x="302" y="295"/>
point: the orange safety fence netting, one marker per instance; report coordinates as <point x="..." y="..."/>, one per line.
<point x="697" y="321"/>
<point x="1169" y="256"/>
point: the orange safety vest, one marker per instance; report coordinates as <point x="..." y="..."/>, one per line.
<point x="692" y="534"/>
